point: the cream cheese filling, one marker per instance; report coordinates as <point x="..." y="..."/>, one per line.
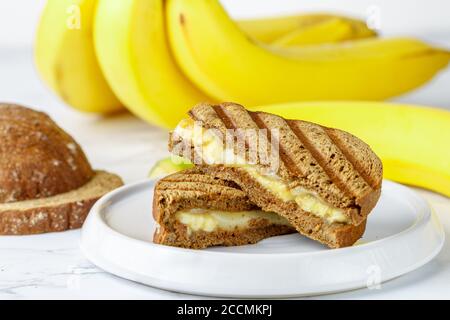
<point x="213" y="220"/>
<point x="214" y="152"/>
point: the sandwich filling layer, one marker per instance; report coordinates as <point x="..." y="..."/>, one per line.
<point x="213" y="220"/>
<point x="214" y="152"/>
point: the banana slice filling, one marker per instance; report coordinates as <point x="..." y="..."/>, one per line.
<point x="213" y="220"/>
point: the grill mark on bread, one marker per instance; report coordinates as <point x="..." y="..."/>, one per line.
<point x="193" y="115"/>
<point x="311" y="175"/>
<point x="196" y="188"/>
<point x="223" y="116"/>
<point x="194" y="175"/>
<point x="170" y="184"/>
<point x="334" y="159"/>
<point x="351" y="158"/>
<point x="179" y="198"/>
<point x="195" y="195"/>
<point x="318" y="157"/>
<point x="193" y="178"/>
<point x="285" y="160"/>
<point x="230" y="123"/>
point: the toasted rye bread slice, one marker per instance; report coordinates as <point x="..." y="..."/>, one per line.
<point x="337" y="166"/>
<point x="191" y="189"/>
<point x="57" y="213"/>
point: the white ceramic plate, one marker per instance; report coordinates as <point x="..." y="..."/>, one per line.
<point x="402" y="235"/>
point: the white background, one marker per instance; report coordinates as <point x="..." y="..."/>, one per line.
<point x="18" y="18"/>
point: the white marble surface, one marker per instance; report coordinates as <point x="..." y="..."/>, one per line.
<point x="52" y="266"/>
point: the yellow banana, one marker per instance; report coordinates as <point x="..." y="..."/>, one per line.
<point x="135" y="57"/>
<point x="218" y="57"/>
<point x="269" y="30"/>
<point x="65" y="56"/>
<point x="329" y="31"/>
<point x="66" y="59"/>
<point x="412" y="141"/>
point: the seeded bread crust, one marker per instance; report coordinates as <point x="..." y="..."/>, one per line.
<point x="62" y="212"/>
<point x="334" y="235"/>
<point x="334" y="164"/>
<point x="37" y="158"/>
<point x="191" y="189"/>
<point x="46" y="181"/>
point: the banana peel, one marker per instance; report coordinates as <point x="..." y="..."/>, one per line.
<point x="137" y="61"/>
<point x="168" y="166"/>
<point x="329" y="31"/>
<point x="412" y="141"/>
<point x="269" y="30"/>
<point x="66" y="60"/>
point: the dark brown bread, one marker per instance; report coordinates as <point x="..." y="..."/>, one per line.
<point x="62" y="212"/>
<point x="37" y="158"/>
<point x="192" y="189"/>
<point x="334" y="164"/>
<point x="46" y="181"/>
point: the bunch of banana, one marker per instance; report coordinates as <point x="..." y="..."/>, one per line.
<point x="215" y="55"/>
<point x="67" y="61"/>
<point x="135" y="56"/>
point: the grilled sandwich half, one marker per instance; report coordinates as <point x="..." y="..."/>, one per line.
<point x="195" y="210"/>
<point x="325" y="181"/>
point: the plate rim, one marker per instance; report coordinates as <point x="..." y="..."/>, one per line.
<point x="121" y="272"/>
<point x="102" y="203"/>
<point x="149" y="279"/>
